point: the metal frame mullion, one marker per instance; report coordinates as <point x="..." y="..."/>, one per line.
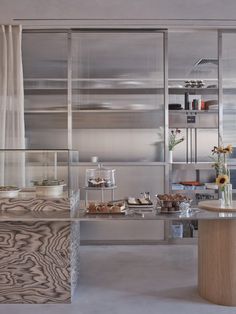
<point x="69" y="92"/>
<point x="168" y="166"/>
<point x="166" y="113"/>
<point x="220" y="88"/>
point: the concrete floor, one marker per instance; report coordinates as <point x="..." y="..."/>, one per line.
<point x="157" y="279"/>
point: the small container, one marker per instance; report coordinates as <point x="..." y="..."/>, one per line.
<point x="203" y="105"/>
<point x="94" y="159"/>
<point x="195" y="104"/>
<point x="100" y="177"/>
<point x="147" y="196"/>
<point x="177" y="231"/>
<point x="199" y="104"/>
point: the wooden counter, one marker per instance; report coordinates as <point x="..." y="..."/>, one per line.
<point x="217" y="256"/>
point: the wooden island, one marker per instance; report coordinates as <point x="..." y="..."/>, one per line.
<point x="217" y="255"/>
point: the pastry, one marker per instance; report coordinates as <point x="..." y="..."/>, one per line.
<point x="106" y="208"/>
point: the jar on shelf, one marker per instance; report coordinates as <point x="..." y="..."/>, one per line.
<point x="100" y="177"/>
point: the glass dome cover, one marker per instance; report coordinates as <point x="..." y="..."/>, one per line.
<point x="100" y="177"/>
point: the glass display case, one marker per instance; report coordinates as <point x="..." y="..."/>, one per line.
<point x="99" y="179"/>
<point x="40" y="173"/>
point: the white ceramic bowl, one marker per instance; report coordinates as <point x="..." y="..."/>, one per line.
<point x="51" y="190"/>
<point x="9" y="194"/>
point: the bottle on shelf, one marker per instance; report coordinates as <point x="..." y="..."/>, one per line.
<point x="186" y="101"/>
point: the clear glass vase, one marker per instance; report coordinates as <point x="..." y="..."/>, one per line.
<point x="170" y="156"/>
<point x="227" y="195"/>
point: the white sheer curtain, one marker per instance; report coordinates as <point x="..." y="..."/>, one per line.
<point x="12" y="128"/>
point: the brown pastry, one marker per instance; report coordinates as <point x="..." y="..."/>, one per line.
<point x="115" y="209"/>
<point x="92" y="208"/>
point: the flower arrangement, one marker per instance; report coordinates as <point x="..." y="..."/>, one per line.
<point x="219" y="156"/>
<point x="175" y="138"/>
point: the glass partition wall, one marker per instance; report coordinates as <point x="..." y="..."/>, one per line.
<point x="118" y="95"/>
<point x="193" y="84"/>
<point x="101" y="92"/>
<point x="228" y="96"/>
<point x="105" y="92"/>
<point x="118" y="106"/>
<point x="45" y="55"/>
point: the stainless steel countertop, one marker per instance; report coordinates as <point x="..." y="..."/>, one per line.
<point x="58" y="210"/>
<point x="194" y="214"/>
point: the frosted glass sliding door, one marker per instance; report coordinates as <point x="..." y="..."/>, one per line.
<point x="118" y="95"/>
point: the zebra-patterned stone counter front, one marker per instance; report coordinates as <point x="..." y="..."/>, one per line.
<point x="35" y="263"/>
<point x="35" y="204"/>
<point x="75" y="261"/>
<point x="39" y="249"/>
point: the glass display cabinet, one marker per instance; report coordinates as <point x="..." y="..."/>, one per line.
<point x="40" y="173"/>
<point x="39" y="196"/>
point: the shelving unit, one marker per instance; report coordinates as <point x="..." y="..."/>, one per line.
<point x="200" y="128"/>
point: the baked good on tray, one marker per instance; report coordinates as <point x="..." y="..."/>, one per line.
<point x="170" y="203"/>
<point x="99" y="183"/>
<point x="142" y="201"/>
<point x="106" y="207"/>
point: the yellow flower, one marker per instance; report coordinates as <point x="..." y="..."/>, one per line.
<point x="220" y="149"/>
<point x="222" y="180"/>
<point x="228" y="149"/>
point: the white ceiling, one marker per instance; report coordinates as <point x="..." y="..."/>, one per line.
<point x="210" y="10"/>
